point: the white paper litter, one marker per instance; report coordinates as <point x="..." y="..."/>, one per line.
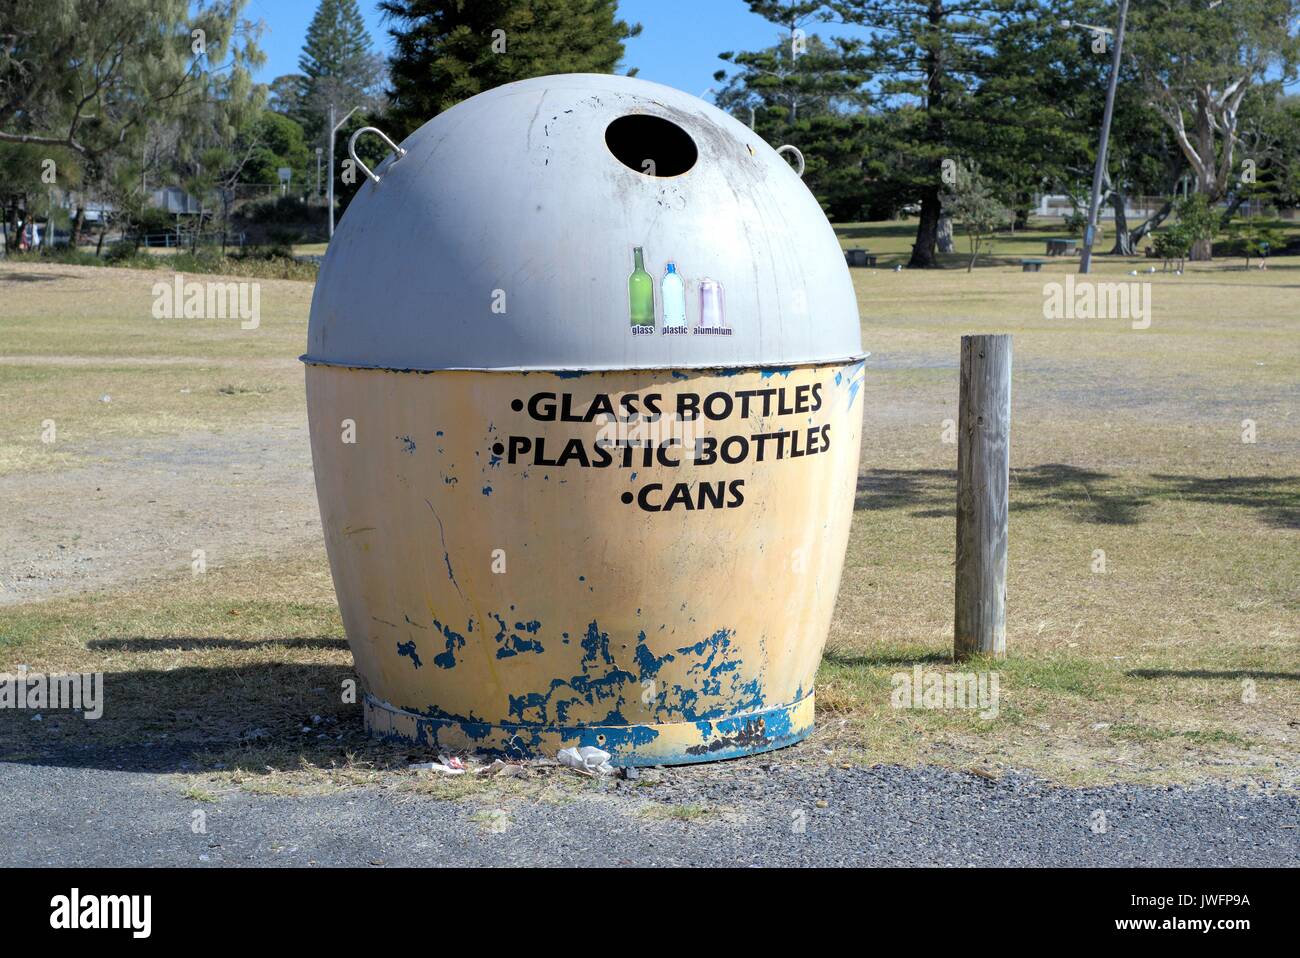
<point x="438" y="767"/>
<point x="589" y="759"/>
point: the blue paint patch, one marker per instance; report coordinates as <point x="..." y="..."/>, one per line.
<point x="715" y="676"/>
<point x="487" y="490"/>
<point x="511" y="643"/>
<point x="777" y="371"/>
<point x="678" y="374"/>
<point x="408" y="444"/>
<point x="855" y="375"/>
<point x="447" y="659"/>
<point x="408" y="649"/>
<point x="572" y="373"/>
<point x="591" y="687"/>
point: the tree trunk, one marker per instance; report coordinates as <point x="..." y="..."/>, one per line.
<point x="944" y="238"/>
<point x="78" y="225"/>
<point x="1123" y="238"/>
<point x="1152" y="224"/>
<point x="927" y="231"/>
<point x="1202" y="251"/>
<point x="1235" y="204"/>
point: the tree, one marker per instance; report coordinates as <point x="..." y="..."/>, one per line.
<point x="798" y="76"/>
<point x="93" y="77"/>
<point x="1172" y="243"/>
<point x="1256" y="238"/>
<point x="935" y="55"/>
<point x="973" y="204"/>
<point x="1031" y="115"/>
<point x="449" y="50"/>
<point x="338" y="66"/>
<point x="1269" y="170"/>
<point x="1198" y="220"/>
<point x="83" y="74"/>
<point x="1198" y="61"/>
<point x="808" y="92"/>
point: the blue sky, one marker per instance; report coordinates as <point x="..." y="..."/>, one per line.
<point x="678" y="46"/>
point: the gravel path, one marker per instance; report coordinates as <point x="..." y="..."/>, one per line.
<point x="749" y="812"/>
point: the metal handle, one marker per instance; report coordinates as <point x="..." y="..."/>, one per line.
<point x="798" y="155"/>
<point x="352" y="150"/>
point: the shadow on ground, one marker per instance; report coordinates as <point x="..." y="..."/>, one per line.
<point x="1212" y="674"/>
<point x="1083" y="495"/>
<point x="258" y="716"/>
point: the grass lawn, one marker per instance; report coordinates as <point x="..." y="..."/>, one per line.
<point x="1178" y="662"/>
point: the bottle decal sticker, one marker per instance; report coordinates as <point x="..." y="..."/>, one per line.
<point x="673" y="296"/>
<point x="641" y="295"/>
<point x="713" y="310"/>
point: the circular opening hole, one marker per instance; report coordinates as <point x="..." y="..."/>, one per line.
<point x="651" y="145"/>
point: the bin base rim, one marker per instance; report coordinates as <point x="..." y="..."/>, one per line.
<point x="673" y="743"/>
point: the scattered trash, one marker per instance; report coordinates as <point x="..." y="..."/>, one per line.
<point x="106" y="398"/>
<point x="588" y="759"/>
<point x="439" y="767"/>
<point x="630" y="773"/>
<point x="1097" y="727"/>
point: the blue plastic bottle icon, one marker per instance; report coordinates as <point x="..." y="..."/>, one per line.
<point x="674" y="299"/>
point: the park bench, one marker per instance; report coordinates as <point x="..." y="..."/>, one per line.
<point x="859" y="257"/>
<point x="1060" y="247"/>
<point x="1031" y="265"/>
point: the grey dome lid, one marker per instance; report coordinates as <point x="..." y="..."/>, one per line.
<point x="504" y="239"/>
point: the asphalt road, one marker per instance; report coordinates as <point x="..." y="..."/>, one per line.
<point x="759" y="811"/>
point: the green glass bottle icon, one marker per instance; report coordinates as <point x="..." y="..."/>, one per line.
<point x="641" y="293"/>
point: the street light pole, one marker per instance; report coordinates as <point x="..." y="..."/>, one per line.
<point x="318" y="153"/>
<point x="334" y="129"/>
<point x="1094" y="206"/>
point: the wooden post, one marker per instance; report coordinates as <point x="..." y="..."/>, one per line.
<point x="983" y="463"/>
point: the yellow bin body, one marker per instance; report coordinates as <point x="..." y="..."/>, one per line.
<point x="501" y="594"/>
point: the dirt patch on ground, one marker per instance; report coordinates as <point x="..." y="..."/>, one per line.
<point x="143" y="506"/>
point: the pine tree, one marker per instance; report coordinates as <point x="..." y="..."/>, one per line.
<point x="935" y="55"/>
<point x="810" y="93"/>
<point x="337" y="64"/>
<point x="449" y="50"/>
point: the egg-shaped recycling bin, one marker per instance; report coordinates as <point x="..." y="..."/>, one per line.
<point x="583" y="373"/>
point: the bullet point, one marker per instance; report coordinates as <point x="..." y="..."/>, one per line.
<point x="497" y="448"/>
<point x="626" y="497"/>
<point x="516" y="404"/>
